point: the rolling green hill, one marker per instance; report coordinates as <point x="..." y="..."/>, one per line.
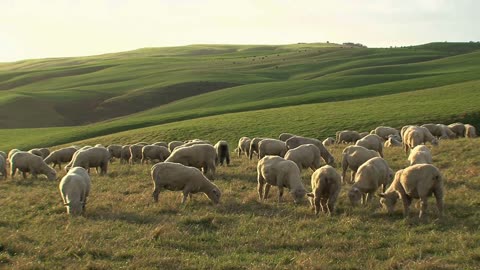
<point x="154" y="86"/>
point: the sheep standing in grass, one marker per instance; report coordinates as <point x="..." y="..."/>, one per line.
<point x="440" y="131"/>
<point x="201" y="156"/>
<point x="33" y="164"/>
<point x="347" y="136"/>
<point x="271" y="147"/>
<point x="328" y="141"/>
<point x="60" y="156"/>
<point x="125" y="154"/>
<point x="285" y="136"/>
<point x="3" y="167"/>
<point x="74" y="189"/>
<point x="194" y="142"/>
<point x="11" y="153"/>
<point x="136" y="152"/>
<point x="458" y="129"/>
<point x="243" y="146"/>
<point x="353" y="157"/>
<point x="174" y="176"/>
<point x="115" y="151"/>
<point x="36" y="152"/>
<point x="174" y="144"/>
<point x="372" y="142"/>
<point x="223" y="153"/>
<point x="276" y="171"/>
<point x="383" y="132"/>
<point x="415" y="135"/>
<point x="420" y="155"/>
<point x="325" y="189"/>
<point x="296" y="141"/>
<point x="392" y="142"/>
<point x="305" y="156"/>
<point x="254" y="147"/>
<point x="415" y="182"/>
<point x="95" y="157"/>
<point x="470" y="131"/>
<point x="154" y="152"/>
<point x="370" y="176"/>
<point x="403" y="130"/>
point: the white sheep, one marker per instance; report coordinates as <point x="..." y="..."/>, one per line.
<point x="458" y="129"/>
<point x="136" y="152"/>
<point x="415" y="182"/>
<point x="95" y="157"/>
<point x="383" y="132"/>
<point x="27" y="162"/>
<point x="174" y="144"/>
<point x="243" y="146"/>
<point x="305" y="156"/>
<point x="254" y="147"/>
<point x="63" y="155"/>
<point x="328" y="141"/>
<point x="285" y="136"/>
<point x="115" y="151"/>
<point x="326" y="186"/>
<point x="420" y="155"/>
<point x="296" y="141"/>
<point x="201" y="156"/>
<point x="276" y="171"/>
<point x="470" y="131"/>
<point x="271" y="147"/>
<point x="125" y="154"/>
<point x="415" y="135"/>
<point x="372" y="142"/>
<point x="353" y="157"/>
<point x="164" y="144"/>
<point x="370" y="176"/>
<point x="175" y="176"/>
<point x="154" y="152"/>
<point x="347" y="136"/>
<point x="392" y="142"/>
<point x="74" y="189"/>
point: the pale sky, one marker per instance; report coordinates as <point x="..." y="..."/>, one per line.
<point x="51" y="28"/>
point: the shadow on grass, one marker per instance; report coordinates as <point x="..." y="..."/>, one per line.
<point x="129" y="217"/>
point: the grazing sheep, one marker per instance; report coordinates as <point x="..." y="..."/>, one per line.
<point x="174" y="176"/>
<point x="125" y="154"/>
<point x="415" y="135"/>
<point x="60" y="155"/>
<point x="305" y="156"/>
<point x="415" y="182"/>
<point x="28" y="162"/>
<point x="3" y="154"/>
<point x="95" y="157"/>
<point x="440" y="131"/>
<point x="392" y="142"/>
<point x="403" y="130"/>
<point x="11" y="153"/>
<point x="164" y="144"/>
<point x="271" y="147"/>
<point x="254" y="147"/>
<point x="244" y="146"/>
<point x="420" y="155"/>
<point x="383" y="132"/>
<point x="36" y="152"/>
<point x="470" y="131"/>
<point x="328" y="141"/>
<point x="276" y="171"/>
<point x="325" y="189"/>
<point x="285" y="136"/>
<point x="458" y="129"/>
<point x="3" y="167"/>
<point x="353" y="157"/>
<point x="223" y="153"/>
<point x="154" y="152"/>
<point x="174" y="144"/>
<point x="201" y="156"/>
<point x="296" y="141"/>
<point x="194" y="142"/>
<point x="115" y="151"/>
<point x="372" y="142"/>
<point x="369" y="177"/>
<point x="135" y="153"/>
<point x="74" y="189"/>
<point x="347" y="136"/>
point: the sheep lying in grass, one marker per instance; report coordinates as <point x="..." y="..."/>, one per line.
<point x="60" y="156"/>
<point x="470" y="131"/>
<point x="3" y="167"/>
<point x="415" y="182"/>
<point x="285" y="136"/>
<point x="115" y="151"/>
<point x="271" y="147"/>
<point x="154" y="152"/>
<point x="27" y="162"/>
<point x="243" y="146"/>
<point x="223" y="153"/>
<point x="325" y="189"/>
<point x="175" y="176"/>
<point x="305" y="156"/>
<point x="347" y="136"/>
<point x="415" y="135"/>
<point x="353" y="157"/>
<point x="328" y="141"/>
<point x="201" y="156"/>
<point x="383" y="132"/>
<point x="372" y="142"/>
<point x="420" y="155"/>
<point x="174" y="144"/>
<point x="370" y="176"/>
<point x="276" y="171"/>
<point x="74" y="189"/>
<point x="296" y="141"/>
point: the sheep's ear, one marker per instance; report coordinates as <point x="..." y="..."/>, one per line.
<point x="381" y="195"/>
<point x="310" y="195"/>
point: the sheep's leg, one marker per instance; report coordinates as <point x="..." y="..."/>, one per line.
<point x="423" y="207"/>
<point x="344" y="170"/>
<point x="318" y="205"/>
<point x="227" y="159"/>
<point x="280" y="193"/>
<point x="438" y="192"/>
<point x="156" y="192"/>
<point x="406" y="205"/>
<point x="267" y="190"/>
<point x="13" y="170"/>
<point x="323" y="203"/>
<point x="260" y="186"/>
<point x="60" y="165"/>
<point x="185" y="196"/>
<point x="364" y="198"/>
<point x="24" y="174"/>
<point x="352" y="176"/>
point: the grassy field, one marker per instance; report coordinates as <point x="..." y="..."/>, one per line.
<point x="124" y="228"/>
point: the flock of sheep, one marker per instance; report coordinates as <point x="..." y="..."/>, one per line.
<point x="188" y="166"/>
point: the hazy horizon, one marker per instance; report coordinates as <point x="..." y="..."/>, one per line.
<point x="44" y="29"/>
